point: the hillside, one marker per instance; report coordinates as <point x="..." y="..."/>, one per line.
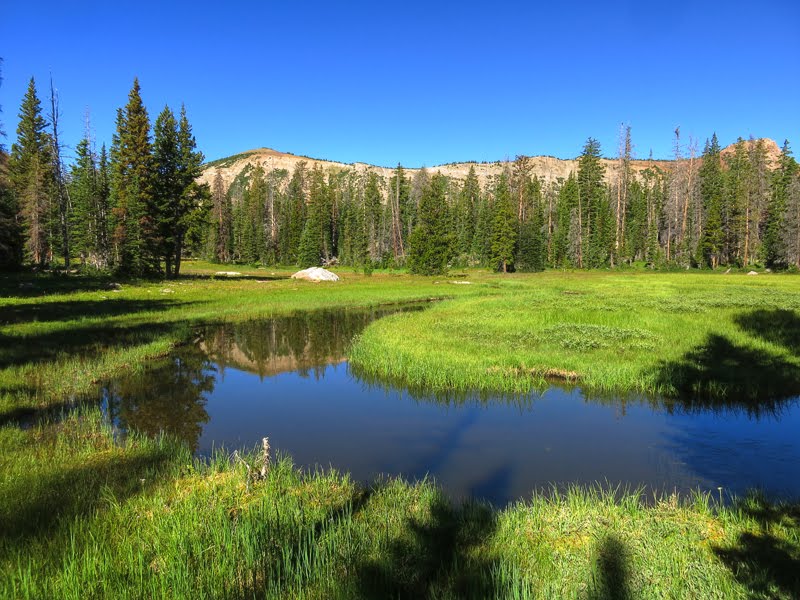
<point x="546" y="168"/>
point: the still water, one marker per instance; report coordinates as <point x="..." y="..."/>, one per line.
<point x="287" y="378"/>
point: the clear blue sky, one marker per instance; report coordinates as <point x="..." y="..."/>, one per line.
<point x="413" y="82"/>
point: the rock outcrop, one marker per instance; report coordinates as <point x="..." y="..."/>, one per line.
<point x="316" y="274"/>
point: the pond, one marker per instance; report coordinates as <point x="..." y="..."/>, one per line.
<point x="287" y="378"/>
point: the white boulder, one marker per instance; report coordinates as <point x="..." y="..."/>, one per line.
<point x="316" y="274"/>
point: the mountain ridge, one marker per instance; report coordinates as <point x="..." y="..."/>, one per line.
<point x="547" y="168"/>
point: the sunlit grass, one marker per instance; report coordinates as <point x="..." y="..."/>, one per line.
<point x="88" y="516"/>
<point x="606" y="332"/>
<point x="87" y="513"/>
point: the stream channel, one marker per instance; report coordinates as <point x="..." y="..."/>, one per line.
<point x="287" y="378"/>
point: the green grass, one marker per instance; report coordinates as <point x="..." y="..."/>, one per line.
<point x="704" y="335"/>
<point x="60" y="334"/>
<point x="85" y="516"/>
<point x="85" y="513"/>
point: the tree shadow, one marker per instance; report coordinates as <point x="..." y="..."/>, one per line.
<point x="241" y="277"/>
<point x="70" y="310"/>
<point x="720" y="374"/>
<point x="289" y="546"/>
<point x="611" y="571"/>
<point x="778" y="326"/>
<point x="767" y="565"/>
<point x="35" y="505"/>
<point x="433" y="557"/>
<point x="30" y="285"/>
<point x="83" y="341"/>
<point x="26" y="417"/>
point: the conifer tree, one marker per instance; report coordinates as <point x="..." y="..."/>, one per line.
<point x="594" y="217"/>
<point x="398" y="202"/>
<point x="135" y="234"/>
<point x="467" y="215"/>
<point x="177" y="196"/>
<point x="774" y="243"/>
<point x="313" y="242"/>
<point x="30" y="167"/>
<point x="191" y="208"/>
<point x="711" y="194"/>
<point x="532" y="244"/>
<point x="84" y="192"/>
<point x="167" y="184"/>
<point x="564" y="250"/>
<point x="294" y="215"/>
<point x="10" y="234"/>
<point x="737" y="180"/>
<point x="222" y="221"/>
<point x="504" y="227"/>
<point x="372" y="212"/>
<point x="429" y="248"/>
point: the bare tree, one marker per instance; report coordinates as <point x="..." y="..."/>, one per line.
<point x="60" y="176"/>
<point x="623" y="186"/>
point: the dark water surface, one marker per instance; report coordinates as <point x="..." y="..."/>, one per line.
<point x="286" y="378"/>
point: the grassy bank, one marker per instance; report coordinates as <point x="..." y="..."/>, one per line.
<point x="86" y="514"/>
<point x="86" y="517"/>
<point x="60" y="334"/>
<point x="704" y="335"/>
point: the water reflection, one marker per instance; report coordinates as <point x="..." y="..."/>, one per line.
<point x="284" y="377"/>
<point x="170" y="396"/>
<point x="304" y="342"/>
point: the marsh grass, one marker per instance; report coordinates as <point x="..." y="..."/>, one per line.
<point x="86" y="513"/>
<point x="675" y="335"/>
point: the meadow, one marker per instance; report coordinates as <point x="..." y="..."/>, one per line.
<point x="85" y="513"/>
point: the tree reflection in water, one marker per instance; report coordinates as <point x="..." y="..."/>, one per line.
<point x="170" y="395"/>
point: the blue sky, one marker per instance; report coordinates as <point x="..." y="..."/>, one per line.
<point x="416" y="83"/>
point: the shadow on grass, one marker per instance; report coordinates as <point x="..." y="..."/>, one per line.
<point x="29" y="285"/>
<point x="721" y="374"/>
<point x="79" y="309"/>
<point x="433" y="557"/>
<point x="35" y="505"/>
<point x="781" y="327"/>
<point x="84" y="341"/>
<point x="290" y="546"/>
<point x="611" y="571"/>
<point x="766" y="564"/>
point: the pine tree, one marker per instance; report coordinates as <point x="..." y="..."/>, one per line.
<point x="398" y="203"/>
<point x="190" y="210"/>
<point x="564" y="250"/>
<point x="313" y="242"/>
<point x="32" y="180"/>
<point x="167" y="184"/>
<point x="372" y="212"/>
<point x="135" y="234"/>
<point x="84" y="192"/>
<point x="532" y="243"/>
<point x="504" y="227"/>
<point x="294" y="215"/>
<point x="10" y="234"/>
<point x="430" y="245"/>
<point x="467" y="215"/>
<point x="711" y="194"/>
<point x="222" y="222"/>
<point x="774" y="238"/>
<point x="738" y="180"/>
<point x="178" y="199"/>
<point x="591" y="197"/>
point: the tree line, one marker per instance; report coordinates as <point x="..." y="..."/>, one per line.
<point x="130" y="209"/>
<point x="137" y="208"/>
<point x="701" y="211"/>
